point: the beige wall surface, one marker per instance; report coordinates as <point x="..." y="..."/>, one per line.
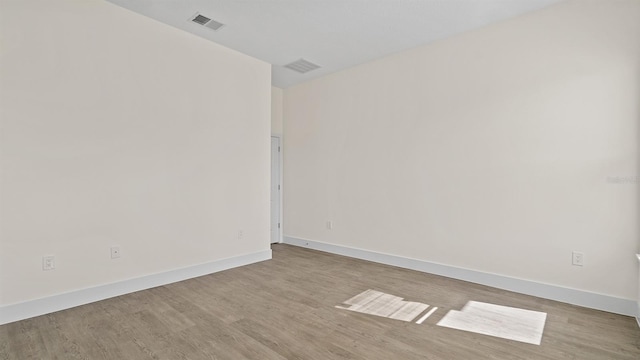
<point x="119" y="130"/>
<point x="500" y="150"/>
<point x="276" y="110"/>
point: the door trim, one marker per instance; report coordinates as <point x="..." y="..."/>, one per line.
<point x="280" y="236"/>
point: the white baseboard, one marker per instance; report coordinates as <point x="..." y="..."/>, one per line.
<point x="32" y="308"/>
<point x="638" y="313"/>
<point x="638" y="307"/>
<point x="546" y="291"/>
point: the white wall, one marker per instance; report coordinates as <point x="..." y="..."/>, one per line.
<point x="499" y="150"/>
<point x="276" y="110"/>
<point x="119" y="130"/>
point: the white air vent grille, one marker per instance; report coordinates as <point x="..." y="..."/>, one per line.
<point x="302" y="66"/>
<point x="206" y="22"/>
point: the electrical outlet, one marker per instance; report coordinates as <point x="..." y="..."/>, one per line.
<point x="240" y="234"/>
<point x="48" y="262"/>
<point x="577" y="258"/>
<point x="329" y="224"/>
<point x="115" y="252"/>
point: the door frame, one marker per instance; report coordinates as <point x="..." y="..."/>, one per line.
<point x="280" y="215"/>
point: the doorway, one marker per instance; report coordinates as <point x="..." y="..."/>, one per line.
<point x="276" y="188"/>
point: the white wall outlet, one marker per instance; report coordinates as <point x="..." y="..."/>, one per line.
<point x="48" y="262"/>
<point x="240" y="234"/>
<point x="329" y="224"/>
<point x="115" y="252"/>
<point x="577" y="258"/>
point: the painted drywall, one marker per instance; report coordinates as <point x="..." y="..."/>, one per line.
<point x="276" y="110"/>
<point x="500" y="150"/>
<point x="119" y="130"/>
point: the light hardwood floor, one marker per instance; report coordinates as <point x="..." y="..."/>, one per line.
<point x="284" y="309"/>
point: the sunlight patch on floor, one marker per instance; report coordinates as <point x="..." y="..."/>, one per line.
<point x="377" y="303"/>
<point x="500" y="321"/>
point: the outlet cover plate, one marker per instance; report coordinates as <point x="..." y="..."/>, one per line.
<point x="577" y="258"/>
<point x="48" y="262"/>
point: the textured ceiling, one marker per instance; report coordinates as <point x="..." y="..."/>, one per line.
<point x="335" y="34"/>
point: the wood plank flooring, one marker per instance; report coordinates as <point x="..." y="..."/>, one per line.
<point x="284" y="309"/>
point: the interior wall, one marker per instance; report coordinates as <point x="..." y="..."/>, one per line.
<point x="276" y="110"/>
<point x="118" y="130"/>
<point x="500" y="150"/>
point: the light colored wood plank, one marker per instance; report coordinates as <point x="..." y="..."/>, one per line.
<point x="284" y="309"/>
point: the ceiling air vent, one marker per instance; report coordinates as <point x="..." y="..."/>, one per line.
<point x="302" y="66"/>
<point x="207" y="22"/>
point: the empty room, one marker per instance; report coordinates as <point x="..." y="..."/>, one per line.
<point x="319" y="179"/>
